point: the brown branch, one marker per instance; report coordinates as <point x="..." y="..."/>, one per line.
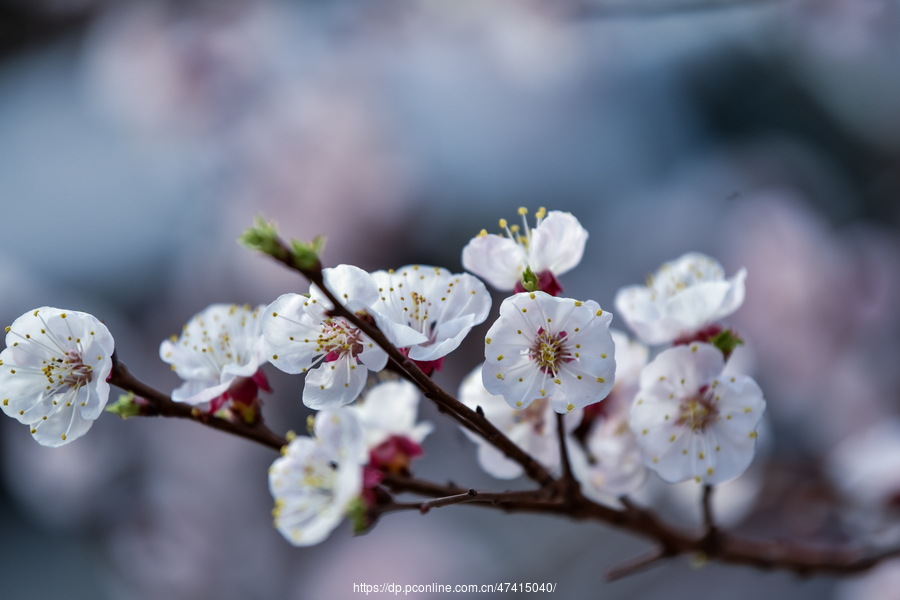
<point x="445" y="402"/>
<point x="636" y="564"/>
<point x="730" y="549"/>
<point x="568" y="485"/>
<point x="164" y="406"/>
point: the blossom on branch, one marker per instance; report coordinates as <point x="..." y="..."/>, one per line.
<point x="219" y="355"/>
<point x="428" y="309"/>
<point x="692" y="422"/>
<point x="681" y="298"/>
<point x="388" y="417"/>
<point x="53" y="373"/>
<point x="557" y="349"/>
<point x="301" y="335"/>
<point x="532" y="429"/>
<point x="317" y="478"/>
<point x="553" y="247"/>
<point x="609" y="463"/>
<point x="389" y="409"/>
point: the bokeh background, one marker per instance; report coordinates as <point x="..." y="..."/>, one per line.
<point x="137" y="139"/>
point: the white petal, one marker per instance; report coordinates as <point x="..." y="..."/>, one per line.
<point x="311" y="491"/>
<point x="681" y="298"/>
<point x="697" y="364"/>
<point x="372" y="356"/>
<point x="334" y="383"/>
<point x="340" y="432"/>
<point x="291" y="334"/>
<point x="389" y="409"/>
<point x="352" y="286"/>
<point x="498" y="260"/>
<point x="557" y="244"/>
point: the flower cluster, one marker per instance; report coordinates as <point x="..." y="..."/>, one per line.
<point x="554" y="374"/>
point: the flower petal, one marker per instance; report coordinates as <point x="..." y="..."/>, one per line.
<point x="557" y="244"/>
<point x="334" y="383"/>
<point x="498" y="260"/>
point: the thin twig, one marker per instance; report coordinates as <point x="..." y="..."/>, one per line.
<point x="165" y="407"/>
<point x="636" y="564"/>
<point x="569" y="486"/>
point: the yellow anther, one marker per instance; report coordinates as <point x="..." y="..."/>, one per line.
<point x="274" y="357"/>
<point x="600" y="312"/>
<point x="519" y="403"/>
<point x="601" y="380"/>
<point x="487" y="341"/>
<point x="570" y="407"/>
<point x="531" y="295"/>
<point x="502" y="223"/>
<point x="752" y="434"/>
<point x="578" y="303"/>
<point x="290" y="435"/>
<point x="523" y="211"/>
<point x="499" y="376"/>
<point x="499" y="357"/>
<point x="514" y="228"/>
<point x="63" y="437"/>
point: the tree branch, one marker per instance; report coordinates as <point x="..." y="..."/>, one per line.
<point x="164" y="406"/>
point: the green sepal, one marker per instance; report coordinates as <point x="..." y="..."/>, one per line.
<point x="358" y="515"/>
<point x="262" y="237"/>
<point x="726" y="341"/>
<point x="125" y="406"/>
<point x="306" y="254"/>
<point x="530" y="281"/>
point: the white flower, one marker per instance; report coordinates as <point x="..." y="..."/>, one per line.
<point x="317" y="478"/>
<point x="532" y="429"/>
<point x="692" y="421"/>
<point x="866" y="466"/>
<point x="681" y="298"/>
<point x="389" y="409"/>
<point x="610" y="464"/>
<point x="429" y="309"/>
<point x="555" y="246"/>
<point x="217" y="347"/>
<point x="545" y="347"/>
<point x="300" y="337"/>
<point x="53" y="373"/>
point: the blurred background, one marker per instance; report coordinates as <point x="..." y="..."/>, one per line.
<point x="137" y="139"/>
